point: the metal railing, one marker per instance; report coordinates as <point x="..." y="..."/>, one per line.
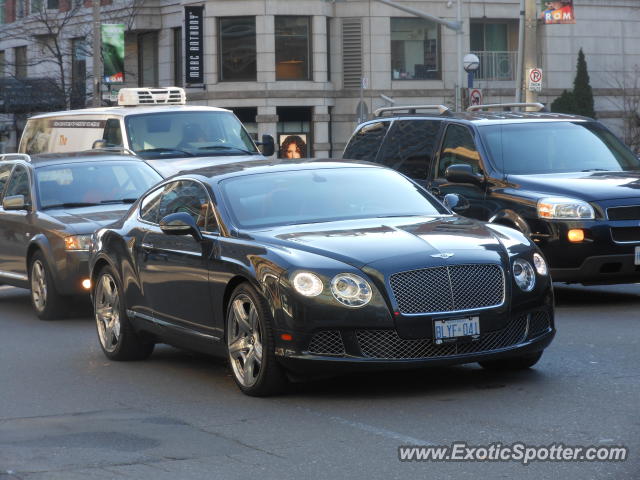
<point x="497" y="65"/>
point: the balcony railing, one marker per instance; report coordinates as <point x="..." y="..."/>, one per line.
<point x="497" y="65"/>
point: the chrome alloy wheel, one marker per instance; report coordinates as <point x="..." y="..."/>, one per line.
<point x="39" y="285"/>
<point x="107" y="311"/>
<point x="244" y="339"/>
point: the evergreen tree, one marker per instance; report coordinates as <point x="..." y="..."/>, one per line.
<point x="580" y="100"/>
<point x="582" y="92"/>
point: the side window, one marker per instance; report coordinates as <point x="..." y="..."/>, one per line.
<point x="192" y="198"/>
<point x="408" y="148"/>
<point x="19" y="183"/>
<point x="5" y="172"/>
<point x="150" y="206"/>
<point x="458" y="147"/>
<point x="365" y="143"/>
<point x="112" y="133"/>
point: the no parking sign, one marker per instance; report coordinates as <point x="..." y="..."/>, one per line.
<point x="535" y="79"/>
<point x="475" y="96"/>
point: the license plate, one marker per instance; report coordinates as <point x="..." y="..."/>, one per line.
<point x="637" y="259"/>
<point x="456" y="327"/>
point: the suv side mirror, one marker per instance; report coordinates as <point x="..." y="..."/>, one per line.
<point x="99" y="144"/>
<point x="15" y="202"/>
<point x="180" y="223"/>
<point x="268" y="145"/>
<point x="462" y="173"/>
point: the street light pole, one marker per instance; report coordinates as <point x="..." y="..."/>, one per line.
<point x="520" y="66"/>
<point x="97" y="54"/>
<point x="455" y="26"/>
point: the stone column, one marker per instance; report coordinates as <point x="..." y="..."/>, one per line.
<point x="321" y="119"/>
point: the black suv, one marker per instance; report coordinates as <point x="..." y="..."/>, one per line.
<point x="50" y="205"/>
<point x="564" y="180"/>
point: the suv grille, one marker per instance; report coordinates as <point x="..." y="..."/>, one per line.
<point x="538" y="324"/>
<point x="624" y="213"/>
<point x="448" y="289"/>
<point x="386" y="344"/>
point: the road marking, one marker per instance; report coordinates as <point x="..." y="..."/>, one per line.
<point x="382" y="432"/>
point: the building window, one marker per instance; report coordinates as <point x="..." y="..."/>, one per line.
<point x="328" y="49"/>
<point x="78" y="72"/>
<point x="3" y="63"/>
<point x="3" y="15"/>
<point x="178" y="59"/>
<point x="20" y="55"/>
<point x="148" y="59"/>
<point x="415" y="49"/>
<point x="293" y="48"/>
<point x="237" y="43"/>
<point x="294" y="132"/>
<point x="20" y="10"/>
<point x="495" y="43"/>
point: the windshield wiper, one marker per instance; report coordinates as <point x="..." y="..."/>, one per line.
<point x="595" y="170"/>
<point x="225" y="147"/>
<point x="165" y="150"/>
<point x="121" y="200"/>
<point x="71" y="205"/>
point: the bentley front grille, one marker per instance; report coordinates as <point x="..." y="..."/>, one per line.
<point x="448" y="289"/>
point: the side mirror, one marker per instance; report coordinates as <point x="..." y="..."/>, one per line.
<point x="268" y="145"/>
<point x="461" y="173"/>
<point x="180" y="223"/>
<point x="99" y="144"/>
<point x="15" y="202"/>
<point x="455" y="202"/>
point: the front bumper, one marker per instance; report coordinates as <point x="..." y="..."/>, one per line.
<point x="71" y="270"/>
<point x="363" y="349"/>
<point x="599" y="259"/>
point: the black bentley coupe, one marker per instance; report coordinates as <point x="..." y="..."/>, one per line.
<point x="290" y="268"/>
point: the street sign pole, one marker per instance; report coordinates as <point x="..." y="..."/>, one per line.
<point x="97" y="54"/>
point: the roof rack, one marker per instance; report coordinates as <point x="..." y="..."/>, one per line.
<point x="15" y="156"/>
<point x="502" y="106"/>
<point x="411" y="109"/>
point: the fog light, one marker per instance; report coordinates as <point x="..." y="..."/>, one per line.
<point x="575" y="235"/>
<point x="86" y="284"/>
<point x="287" y="337"/>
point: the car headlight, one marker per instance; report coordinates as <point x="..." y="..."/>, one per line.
<point x="78" y="242"/>
<point x="351" y="290"/>
<point x="540" y="264"/>
<point x="524" y="275"/>
<point x="307" y="284"/>
<point x="563" y="208"/>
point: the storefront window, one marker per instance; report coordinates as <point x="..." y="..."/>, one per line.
<point x="293" y="48"/>
<point x="415" y="49"/>
<point x="237" y="40"/>
<point x="148" y="59"/>
<point x="294" y="132"/>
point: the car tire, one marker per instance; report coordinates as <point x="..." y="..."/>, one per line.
<point x="116" y="335"/>
<point x="45" y="299"/>
<point x="250" y="344"/>
<point x="521" y="362"/>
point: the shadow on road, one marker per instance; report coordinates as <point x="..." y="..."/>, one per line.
<point x="570" y="295"/>
<point x="18" y="302"/>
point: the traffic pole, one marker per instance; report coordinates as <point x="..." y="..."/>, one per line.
<point x="97" y="53"/>
<point x="530" y="46"/>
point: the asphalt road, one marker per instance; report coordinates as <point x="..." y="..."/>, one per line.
<point x="68" y="413"/>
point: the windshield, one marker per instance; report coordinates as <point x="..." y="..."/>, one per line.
<point x="324" y="195"/>
<point x="188" y="134"/>
<point x="86" y="184"/>
<point x="556" y="147"/>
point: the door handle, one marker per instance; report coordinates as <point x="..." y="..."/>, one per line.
<point x="147" y="247"/>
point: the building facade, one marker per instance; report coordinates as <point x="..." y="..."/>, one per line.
<point x="295" y="68"/>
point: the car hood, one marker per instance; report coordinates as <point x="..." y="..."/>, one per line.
<point x="589" y="186"/>
<point x="88" y="219"/>
<point x="393" y="243"/>
<point x="171" y="166"/>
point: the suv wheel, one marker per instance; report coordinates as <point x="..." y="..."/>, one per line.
<point x="46" y="300"/>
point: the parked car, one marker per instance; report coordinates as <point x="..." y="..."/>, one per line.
<point x="565" y="181"/>
<point x="153" y="123"/>
<point x="304" y="266"/>
<point x="50" y="207"/>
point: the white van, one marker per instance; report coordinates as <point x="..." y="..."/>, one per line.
<point x="154" y="124"/>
